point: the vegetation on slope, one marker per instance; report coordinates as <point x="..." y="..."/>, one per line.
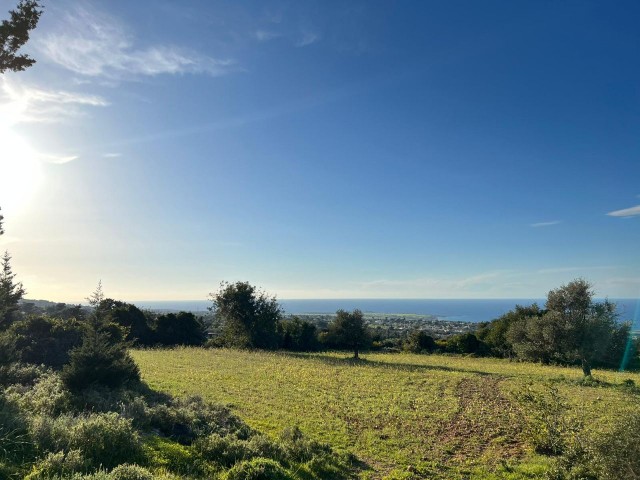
<point x="411" y="416"/>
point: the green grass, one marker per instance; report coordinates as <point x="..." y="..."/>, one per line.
<point x="402" y="415"/>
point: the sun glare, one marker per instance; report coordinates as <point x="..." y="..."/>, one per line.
<point x="20" y="171"/>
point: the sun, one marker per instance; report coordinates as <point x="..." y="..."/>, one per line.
<point x="20" y="171"/>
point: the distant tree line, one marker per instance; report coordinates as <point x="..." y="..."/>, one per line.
<point x="571" y="329"/>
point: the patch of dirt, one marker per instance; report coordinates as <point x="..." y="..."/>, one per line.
<point x="486" y="424"/>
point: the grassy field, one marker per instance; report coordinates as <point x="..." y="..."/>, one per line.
<point x="450" y="417"/>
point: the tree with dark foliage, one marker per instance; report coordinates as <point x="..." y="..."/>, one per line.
<point x="299" y="335"/>
<point x="14" y="33"/>
<point x="183" y="328"/>
<point x="575" y="329"/>
<point x="249" y="316"/>
<point x="99" y="361"/>
<point x="126" y="315"/>
<point x="348" y="330"/>
<point x="11" y="292"/>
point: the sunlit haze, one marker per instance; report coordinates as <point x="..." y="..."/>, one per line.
<point x="324" y="150"/>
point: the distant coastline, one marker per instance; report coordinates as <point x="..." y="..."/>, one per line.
<point x="464" y="310"/>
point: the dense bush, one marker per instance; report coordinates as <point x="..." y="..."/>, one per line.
<point x="258" y="469"/>
<point x="59" y="464"/>
<point x="130" y="472"/>
<point x="419" y="342"/>
<point x="128" y="316"/>
<point x="44" y="340"/>
<point x="104" y="439"/>
<point x="610" y="455"/>
<point x="99" y="361"/>
<point x="47" y="396"/>
<point x="186" y="419"/>
<point x="298" y="335"/>
<point x="183" y="328"/>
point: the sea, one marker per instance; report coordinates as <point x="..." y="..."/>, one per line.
<point x="463" y="310"/>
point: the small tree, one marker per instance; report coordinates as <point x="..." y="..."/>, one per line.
<point x="249" y="316"/>
<point x="298" y="335"/>
<point x="128" y="316"/>
<point x="11" y="292"/>
<point x="419" y="341"/>
<point x="14" y="33"/>
<point x="183" y="328"/>
<point x="348" y="330"/>
<point x="99" y="361"/>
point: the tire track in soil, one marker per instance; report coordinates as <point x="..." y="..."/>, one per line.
<point x="486" y="422"/>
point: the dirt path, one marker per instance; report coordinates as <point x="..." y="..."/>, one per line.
<point x="486" y="425"/>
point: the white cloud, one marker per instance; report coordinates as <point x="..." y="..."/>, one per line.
<point x="440" y="286"/>
<point x="626" y="212"/>
<point x="545" y="224"/>
<point x="575" y="269"/>
<point x="23" y="103"/>
<point x="98" y="45"/>
<point x="265" y="35"/>
<point x="307" y="38"/>
<point x="57" y="159"/>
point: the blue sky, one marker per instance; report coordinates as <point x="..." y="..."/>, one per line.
<point x="325" y="149"/>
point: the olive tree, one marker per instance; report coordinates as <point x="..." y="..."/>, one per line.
<point x="248" y="315"/>
<point x="575" y="329"/>
<point x="348" y="330"/>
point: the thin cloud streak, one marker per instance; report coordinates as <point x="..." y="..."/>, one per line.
<point x="626" y="212"/>
<point x="308" y="38"/>
<point x="97" y="45"/>
<point x="57" y="159"/>
<point x="545" y="224"/>
<point x="27" y="104"/>
<point x="575" y="269"/>
<point x="260" y="116"/>
<point x="265" y="35"/>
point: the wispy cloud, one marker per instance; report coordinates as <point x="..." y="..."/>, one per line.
<point x="266" y="35"/>
<point x="575" y="269"/>
<point x="307" y="38"/>
<point x="57" y="159"/>
<point x="111" y="155"/>
<point x="23" y="103"/>
<point x="450" y="285"/>
<point x="95" y="44"/>
<point x="626" y="212"/>
<point x="545" y="224"/>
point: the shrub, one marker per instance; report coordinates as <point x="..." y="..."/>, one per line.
<point x="99" y="361"/>
<point x="223" y="451"/>
<point x="298" y="448"/>
<point x="258" y="469"/>
<point x="47" y="397"/>
<point x="167" y="454"/>
<point x="617" y="453"/>
<point x="14" y="442"/>
<point x="419" y="342"/>
<point x="548" y="427"/>
<point x="186" y="419"/>
<point x="130" y="472"/>
<point x="104" y="439"/>
<point x="21" y="374"/>
<point x="58" y="464"/>
<point x="44" y="340"/>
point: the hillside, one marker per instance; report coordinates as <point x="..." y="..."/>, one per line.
<point x="403" y="416"/>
